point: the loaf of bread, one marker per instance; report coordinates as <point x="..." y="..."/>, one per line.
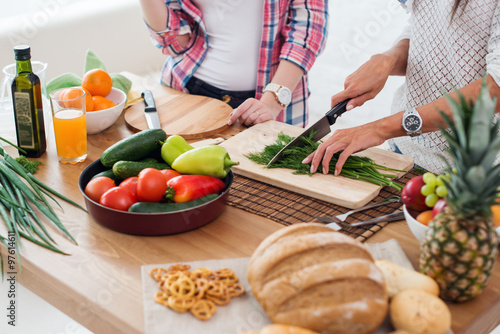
<point x="310" y="276"/>
<point x="398" y="278"/>
<point x="281" y="329"/>
<point x="419" y="312"/>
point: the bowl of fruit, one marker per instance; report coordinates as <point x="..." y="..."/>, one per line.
<point x="424" y="197"/>
<point x="104" y="102"/>
<point x="148" y="184"/>
<point x="99" y="120"/>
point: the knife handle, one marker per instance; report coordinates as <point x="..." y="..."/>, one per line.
<point x="336" y="111"/>
<point x="148" y="99"/>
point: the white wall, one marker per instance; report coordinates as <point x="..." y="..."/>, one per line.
<point x="60" y="34"/>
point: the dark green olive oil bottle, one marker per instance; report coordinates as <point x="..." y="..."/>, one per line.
<point x="28" y="105"/>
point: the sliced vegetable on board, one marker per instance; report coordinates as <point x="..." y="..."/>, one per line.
<point x="355" y="167"/>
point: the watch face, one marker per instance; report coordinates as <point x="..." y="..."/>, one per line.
<point x="284" y="95"/>
<point x="412" y="123"/>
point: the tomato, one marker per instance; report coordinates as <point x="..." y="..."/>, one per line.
<point x="151" y="185"/>
<point x="131" y="184"/>
<point x="98" y="186"/>
<point x="119" y="198"/>
<point x="169" y="174"/>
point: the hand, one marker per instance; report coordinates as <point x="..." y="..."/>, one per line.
<point x="366" y="82"/>
<point x="347" y="140"/>
<point x="252" y="111"/>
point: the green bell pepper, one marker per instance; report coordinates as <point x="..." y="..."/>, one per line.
<point x="211" y="160"/>
<point x="173" y="147"/>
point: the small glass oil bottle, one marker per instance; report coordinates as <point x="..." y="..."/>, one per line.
<point x="28" y="105"/>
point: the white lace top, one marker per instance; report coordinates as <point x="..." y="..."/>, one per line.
<point x="445" y="56"/>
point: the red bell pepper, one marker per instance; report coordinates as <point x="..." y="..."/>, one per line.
<point x="185" y="188"/>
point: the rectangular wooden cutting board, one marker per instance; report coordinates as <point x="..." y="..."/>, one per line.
<point x="338" y="190"/>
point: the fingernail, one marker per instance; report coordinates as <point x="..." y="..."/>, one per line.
<point x="304" y="161"/>
<point x="325" y="171"/>
<point x="312" y="169"/>
<point x="229" y="122"/>
<point x="336" y="173"/>
<point x="349" y="107"/>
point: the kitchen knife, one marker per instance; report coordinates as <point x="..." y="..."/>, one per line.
<point x="150" y="110"/>
<point x="321" y="128"/>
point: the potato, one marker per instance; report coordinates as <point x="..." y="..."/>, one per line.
<point x="419" y="312"/>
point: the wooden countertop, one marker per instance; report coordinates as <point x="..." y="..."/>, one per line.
<point x="99" y="284"/>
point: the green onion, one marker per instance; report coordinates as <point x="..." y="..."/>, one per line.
<point x="355" y="167"/>
<point x="19" y="191"/>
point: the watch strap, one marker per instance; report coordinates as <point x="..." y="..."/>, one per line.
<point x="274" y="88"/>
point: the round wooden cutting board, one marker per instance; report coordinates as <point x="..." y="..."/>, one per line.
<point x="190" y="116"/>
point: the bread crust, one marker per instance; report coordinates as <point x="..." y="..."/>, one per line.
<point x="310" y="276"/>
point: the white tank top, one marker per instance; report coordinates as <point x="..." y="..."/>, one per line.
<point x="234" y="31"/>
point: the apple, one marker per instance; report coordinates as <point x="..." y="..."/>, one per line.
<point x="438" y="207"/>
<point x="411" y="195"/>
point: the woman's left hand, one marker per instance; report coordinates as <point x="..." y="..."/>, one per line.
<point x="250" y="112"/>
<point x="348" y="141"/>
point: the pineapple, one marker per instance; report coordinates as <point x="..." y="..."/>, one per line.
<point x="460" y="245"/>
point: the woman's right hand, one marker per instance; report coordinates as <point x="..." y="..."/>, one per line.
<point x="366" y="82"/>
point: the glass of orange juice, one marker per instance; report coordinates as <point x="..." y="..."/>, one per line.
<point x="70" y="126"/>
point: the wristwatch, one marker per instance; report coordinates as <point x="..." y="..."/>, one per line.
<point x="412" y="122"/>
<point x="283" y="95"/>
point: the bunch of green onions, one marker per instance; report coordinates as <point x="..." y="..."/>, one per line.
<point x="20" y="193"/>
<point x="355" y="167"/>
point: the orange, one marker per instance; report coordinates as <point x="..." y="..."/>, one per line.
<point x="69" y="94"/>
<point x="97" y="82"/>
<point x="496" y="215"/>
<point x="424" y="217"/>
<point x="101" y="103"/>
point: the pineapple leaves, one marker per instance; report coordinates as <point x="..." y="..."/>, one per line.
<point x="475" y="177"/>
<point x="479" y="127"/>
<point x="457" y="125"/>
<point x="472" y="137"/>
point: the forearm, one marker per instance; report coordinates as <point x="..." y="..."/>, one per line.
<point x="155" y="14"/>
<point x="288" y="74"/>
<point x="398" y="56"/>
<point x="431" y="118"/>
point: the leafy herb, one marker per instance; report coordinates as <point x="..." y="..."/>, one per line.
<point x="20" y="191"/>
<point x="355" y="167"/>
<point x="30" y="165"/>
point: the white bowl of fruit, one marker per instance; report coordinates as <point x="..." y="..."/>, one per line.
<point x="424" y="197"/>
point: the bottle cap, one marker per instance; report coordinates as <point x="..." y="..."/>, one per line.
<point x="22" y="52"/>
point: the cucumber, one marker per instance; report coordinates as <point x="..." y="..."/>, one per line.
<point x="134" y="148"/>
<point x="148" y="160"/>
<point x="148" y="207"/>
<point x="109" y="173"/>
<point x="125" y="169"/>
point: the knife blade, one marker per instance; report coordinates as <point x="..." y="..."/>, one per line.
<point x="321" y="129"/>
<point x="150" y="111"/>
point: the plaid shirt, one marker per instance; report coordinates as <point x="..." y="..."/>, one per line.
<point x="293" y="30"/>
